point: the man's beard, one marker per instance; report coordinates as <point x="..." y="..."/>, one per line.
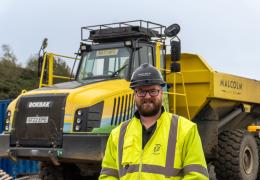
<point x="151" y="109"/>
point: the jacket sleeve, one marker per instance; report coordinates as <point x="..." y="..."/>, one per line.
<point x="194" y="164"/>
<point x="109" y="169"/>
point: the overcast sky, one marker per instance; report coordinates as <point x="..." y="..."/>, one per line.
<point x="225" y="32"/>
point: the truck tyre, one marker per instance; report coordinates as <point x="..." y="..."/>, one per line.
<point x="258" y="145"/>
<point x="51" y="172"/>
<point x="237" y="156"/>
<point x="66" y="171"/>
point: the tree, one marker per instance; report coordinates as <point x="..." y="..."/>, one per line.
<point x="8" y="55"/>
<point x="60" y="67"/>
<point x="9" y="74"/>
<point x="14" y="78"/>
<point x="9" y="69"/>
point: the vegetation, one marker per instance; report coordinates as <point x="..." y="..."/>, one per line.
<point x="14" y="78"/>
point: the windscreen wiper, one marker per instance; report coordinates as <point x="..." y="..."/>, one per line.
<point x="118" y="71"/>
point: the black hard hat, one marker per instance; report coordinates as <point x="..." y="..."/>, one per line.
<point x="146" y="75"/>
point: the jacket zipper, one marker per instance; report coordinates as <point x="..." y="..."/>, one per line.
<point x="141" y="157"/>
<point x="140" y="165"/>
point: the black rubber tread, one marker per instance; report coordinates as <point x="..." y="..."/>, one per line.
<point x="62" y="172"/>
<point x="258" y="145"/>
<point x="227" y="164"/>
<point x="51" y="172"/>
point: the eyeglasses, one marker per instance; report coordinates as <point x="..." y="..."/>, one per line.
<point x="152" y="92"/>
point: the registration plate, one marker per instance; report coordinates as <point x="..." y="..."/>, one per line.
<point x="37" y="120"/>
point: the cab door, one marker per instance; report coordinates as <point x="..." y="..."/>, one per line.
<point x="145" y="53"/>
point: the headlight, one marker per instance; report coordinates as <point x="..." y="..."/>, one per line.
<point x="79" y="112"/>
<point x="6" y="127"/>
<point x="79" y="117"/>
<point x="88" y="118"/>
<point x="77" y="127"/>
<point x="7" y="121"/>
<point x="78" y="120"/>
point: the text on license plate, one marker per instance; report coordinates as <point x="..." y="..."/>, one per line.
<point x="37" y="120"/>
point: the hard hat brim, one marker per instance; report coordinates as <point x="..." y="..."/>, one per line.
<point x="147" y="82"/>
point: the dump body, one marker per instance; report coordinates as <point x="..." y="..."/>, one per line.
<point x="216" y="101"/>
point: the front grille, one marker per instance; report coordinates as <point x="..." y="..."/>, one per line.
<point x="38" y="121"/>
<point x="123" y="109"/>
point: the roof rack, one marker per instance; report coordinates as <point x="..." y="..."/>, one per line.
<point x="123" y="31"/>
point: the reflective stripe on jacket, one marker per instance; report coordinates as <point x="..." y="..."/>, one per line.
<point x="173" y="152"/>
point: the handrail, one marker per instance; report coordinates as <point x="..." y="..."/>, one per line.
<point x="50" y="58"/>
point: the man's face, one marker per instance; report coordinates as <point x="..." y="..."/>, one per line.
<point x="148" y="100"/>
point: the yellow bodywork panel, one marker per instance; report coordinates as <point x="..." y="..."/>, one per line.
<point x="202" y="83"/>
<point x="236" y="88"/>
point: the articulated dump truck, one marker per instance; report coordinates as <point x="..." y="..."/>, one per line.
<point x="66" y="125"/>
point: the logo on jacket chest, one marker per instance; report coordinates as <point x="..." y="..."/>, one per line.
<point x="157" y="149"/>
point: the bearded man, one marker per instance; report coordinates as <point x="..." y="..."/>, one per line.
<point x="154" y="144"/>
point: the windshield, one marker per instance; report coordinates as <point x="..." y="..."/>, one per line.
<point x="100" y="64"/>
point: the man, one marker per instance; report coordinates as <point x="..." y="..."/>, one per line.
<point x="154" y="144"/>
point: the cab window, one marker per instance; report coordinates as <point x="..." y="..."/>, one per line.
<point x="104" y="63"/>
<point x="143" y="55"/>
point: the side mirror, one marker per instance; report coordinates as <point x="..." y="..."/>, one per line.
<point x="40" y="64"/>
<point x="40" y="61"/>
<point x="172" y="30"/>
<point x="175" y="67"/>
<point x="175" y="56"/>
<point x="175" y="50"/>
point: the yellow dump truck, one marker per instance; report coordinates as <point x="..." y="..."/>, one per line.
<point x="66" y="125"/>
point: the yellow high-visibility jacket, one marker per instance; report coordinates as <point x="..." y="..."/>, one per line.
<point x="173" y="152"/>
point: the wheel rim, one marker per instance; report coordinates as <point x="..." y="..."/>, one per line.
<point x="248" y="160"/>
